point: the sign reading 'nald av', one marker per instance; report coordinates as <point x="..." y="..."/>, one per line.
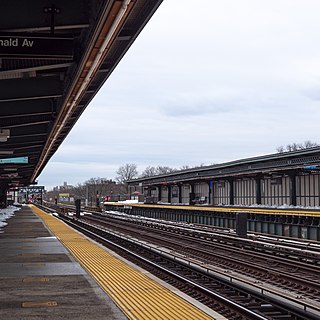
<point x="19" y="46"/>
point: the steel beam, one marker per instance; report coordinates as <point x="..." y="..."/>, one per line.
<point x="293" y="190"/>
<point x="231" y="191"/>
<point x="32" y="88"/>
<point x="169" y="193"/>
<point x="53" y="66"/>
<point x="159" y="193"/>
<point x="26" y="108"/>
<point x="13" y="122"/>
<point x="258" y="189"/>
<point x="27" y="131"/>
<point x="22" y="16"/>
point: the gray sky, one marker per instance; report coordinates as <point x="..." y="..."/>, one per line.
<point x="205" y="82"/>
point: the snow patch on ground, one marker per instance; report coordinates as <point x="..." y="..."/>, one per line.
<point x="5" y="214"/>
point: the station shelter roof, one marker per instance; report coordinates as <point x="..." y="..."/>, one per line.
<point x="54" y="57"/>
<point x="272" y="165"/>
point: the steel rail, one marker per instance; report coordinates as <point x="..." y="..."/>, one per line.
<point x="192" y="283"/>
<point x="310" y="316"/>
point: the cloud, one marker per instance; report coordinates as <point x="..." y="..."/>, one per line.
<point x="58" y="172"/>
<point x="209" y="83"/>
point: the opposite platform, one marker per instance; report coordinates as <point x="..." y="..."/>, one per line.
<point x="233" y="209"/>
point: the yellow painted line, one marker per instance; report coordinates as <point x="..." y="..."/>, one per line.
<point x="137" y="295"/>
<point x="293" y="212"/>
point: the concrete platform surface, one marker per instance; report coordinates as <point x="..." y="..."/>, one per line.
<point x="40" y="279"/>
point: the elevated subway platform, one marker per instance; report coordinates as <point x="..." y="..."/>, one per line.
<point x="257" y="210"/>
<point x="41" y="279"/>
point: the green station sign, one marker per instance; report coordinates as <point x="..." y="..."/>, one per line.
<point x="17" y="160"/>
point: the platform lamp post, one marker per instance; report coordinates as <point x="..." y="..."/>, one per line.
<point x="78" y="207"/>
<point x="97" y="199"/>
<point x="87" y="196"/>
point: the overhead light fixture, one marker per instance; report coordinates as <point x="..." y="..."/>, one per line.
<point x="10" y="169"/>
<point x="4" y="135"/>
<point x="13" y="175"/>
<point x="6" y="152"/>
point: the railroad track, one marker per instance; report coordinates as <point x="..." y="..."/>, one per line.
<point x="302" y="280"/>
<point x="305" y="251"/>
<point x="231" y="298"/>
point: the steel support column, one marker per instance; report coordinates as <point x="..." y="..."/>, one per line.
<point x="180" y="193"/>
<point x="191" y="194"/>
<point x="293" y="190"/>
<point x="258" y="189"/>
<point x="169" y="193"/>
<point x="231" y="192"/>
<point x="159" y="192"/>
<point x="209" y="193"/>
<point x="78" y="208"/>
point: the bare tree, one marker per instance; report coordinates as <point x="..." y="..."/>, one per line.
<point x="281" y="149"/>
<point x="200" y="166"/>
<point x="154" y="171"/>
<point x="79" y="191"/>
<point x="165" y="170"/>
<point x="92" y="191"/>
<point x="149" y="172"/>
<point x="308" y="144"/>
<point x="293" y="147"/>
<point x="297" y="146"/>
<point x="127" y="172"/>
<point x="159" y="170"/>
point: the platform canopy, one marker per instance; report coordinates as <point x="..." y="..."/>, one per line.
<point x="54" y="57"/>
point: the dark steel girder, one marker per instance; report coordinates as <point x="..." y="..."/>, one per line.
<point x="33" y="88"/>
<point x="27" y="124"/>
<point x="25" y="120"/>
<point x="33" y="131"/>
<point x="46" y="67"/>
<point x="30" y="16"/>
<point x="14" y="143"/>
<point x="27" y="108"/>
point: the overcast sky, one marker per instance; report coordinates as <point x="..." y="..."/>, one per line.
<point x="205" y="82"/>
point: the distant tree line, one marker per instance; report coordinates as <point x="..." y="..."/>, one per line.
<point x="99" y="188"/>
<point x="297" y="146"/>
<point x="91" y="191"/>
<point x="129" y="171"/>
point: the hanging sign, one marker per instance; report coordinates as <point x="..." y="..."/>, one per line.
<point x="14" y="160"/>
<point x="23" y="46"/>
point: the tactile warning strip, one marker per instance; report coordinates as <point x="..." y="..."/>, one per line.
<point x="289" y="212"/>
<point x="138" y="296"/>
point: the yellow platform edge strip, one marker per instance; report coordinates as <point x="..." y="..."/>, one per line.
<point x="137" y="296"/>
<point x="293" y="212"/>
